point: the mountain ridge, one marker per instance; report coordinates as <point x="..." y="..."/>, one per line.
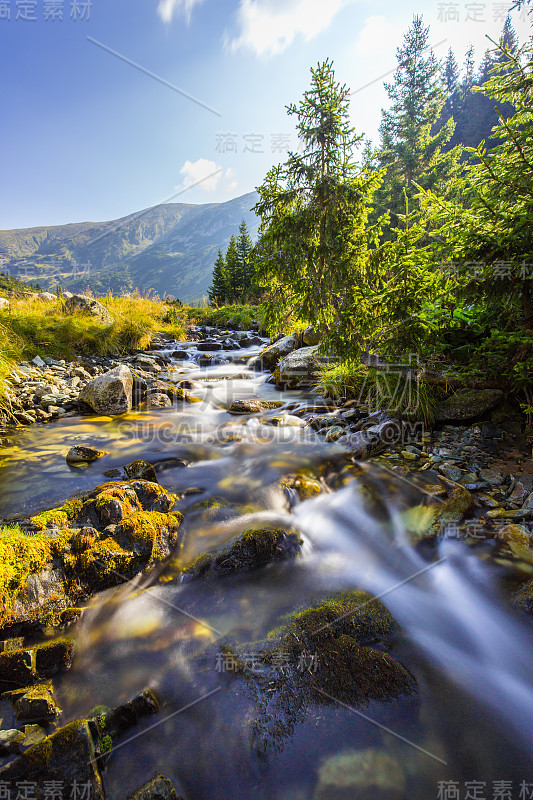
<point x="168" y="249"/>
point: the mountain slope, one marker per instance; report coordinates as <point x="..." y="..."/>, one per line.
<point x="168" y="248"/>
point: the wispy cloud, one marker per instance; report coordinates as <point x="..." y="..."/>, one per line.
<point x="168" y="8"/>
<point x="268" y="27"/>
<point x="203" y="172"/>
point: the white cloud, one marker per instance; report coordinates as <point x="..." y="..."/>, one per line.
<point x="208" y="172"/>
<point x="268" y="27"/>
<point x="167" y="8"/>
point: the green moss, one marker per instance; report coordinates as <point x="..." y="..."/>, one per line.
<point x="354" y="613"/>
<point x="57" y="517"/>
<point x="20" y="555"/>
<point x="103" y="565"/>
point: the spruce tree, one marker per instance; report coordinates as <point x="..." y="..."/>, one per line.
<point x="412" y="146"/>
<point x="218" y="290"/>
<point x="244" y="253"/>
<point x="314" y="248"/>
<point x="232" y="267"/>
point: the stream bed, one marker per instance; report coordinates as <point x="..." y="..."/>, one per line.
<point x="234" y="722"/>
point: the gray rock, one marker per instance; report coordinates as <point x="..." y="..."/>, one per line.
<point x="372" y="440"/>
<point x="110" y="393"/>
<point x="47" y="296"/>
<point x="38" y="362"/>
<point x="301" y="367"/>
<point x="271" y="356"/>
<point x="4" y="303"/>
<point x="467" y="404"/>
<point x="158" y="400"/>
<point x="88" y="305"/>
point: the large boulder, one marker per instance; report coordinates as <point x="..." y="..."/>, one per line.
<point x="467" y="404"/>
<point x="271" y="355"/>
<point x="88" y="305"/>
<point x="4" y="304"/>
<point x="47" y="296"/>
<point x="302" y="367"/>
<point x="110" y="393"/>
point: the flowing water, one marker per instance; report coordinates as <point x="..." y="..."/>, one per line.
<point x="215" y="736"/>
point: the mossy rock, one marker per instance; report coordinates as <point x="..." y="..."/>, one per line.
<point x="305" y="486"/>
<point x="29" y="581"/>
<point x="67" y="755"/>
<point x="149" y="534"/>
<point x="354" y="613"/>
<point x="141" y="470"/>
<point x="57" y="518"/>
<point x="37" y="704"/>
<point x="251" y="550"/>
<point x="26" y="666"/>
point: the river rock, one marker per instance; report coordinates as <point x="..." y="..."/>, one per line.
<point x="158" y="400"/>
<point x="159" y="788"/>
<point x="372" y="440"/>
<point x="300" y="368"/>
<point x="88" y="305"/>
<point x="35" y="705"/>
<point x="252" y="406"/>
<point x="67" y="756"/>
<point x="82" y="454"/>
<point x="361" y="775"/>
<point x="467" y="404"/>
<point x="141" y="470"/>
<point x="271" y="355"/>
<point x="110" y="393"/>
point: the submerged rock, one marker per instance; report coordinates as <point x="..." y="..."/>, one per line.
<point x="251" y="550"/>
<point x="361" y="775"/>
<point x="159" y="788"/>
<point x="110" y="393"/>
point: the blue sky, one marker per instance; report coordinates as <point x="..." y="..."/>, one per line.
<point x="88" y="136"/>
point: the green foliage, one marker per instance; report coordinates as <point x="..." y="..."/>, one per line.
<point x="488" y="236"/>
